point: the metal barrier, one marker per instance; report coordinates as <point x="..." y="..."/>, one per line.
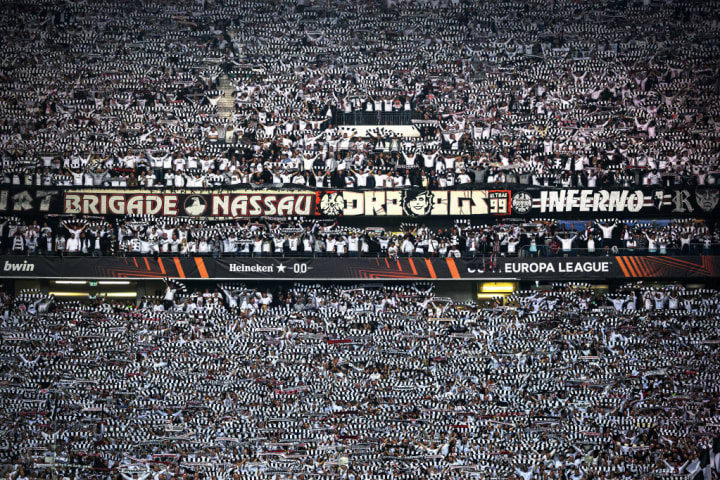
<point x="608" y="250"/>
<point x="524" y="252"/>
<point x="298" y="255"/>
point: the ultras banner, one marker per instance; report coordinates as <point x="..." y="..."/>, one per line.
<point x="257" y="203"/>
<point x="30" y="200"/>
<point x="327" y="268"/>
<point x="191" y="203"/>
<point x="526" y="202"/>
<point x="523" y="202"/>
<point x="620" y="202"/>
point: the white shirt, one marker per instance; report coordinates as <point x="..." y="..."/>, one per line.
<point x="566" y="242"/>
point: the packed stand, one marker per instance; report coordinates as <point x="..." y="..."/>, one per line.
<point x="275" y="237"/>
<point x="360" y="382"/>
<point x="596" y="94"/>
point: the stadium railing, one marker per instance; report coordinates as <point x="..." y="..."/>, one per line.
<point x="523" y="252"/>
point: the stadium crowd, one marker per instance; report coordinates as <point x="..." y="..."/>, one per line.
<point x="369" y="381"/>
<point x="360" y="382"/>
<point x="611" y="93"/>
<point x="307" y="237"/>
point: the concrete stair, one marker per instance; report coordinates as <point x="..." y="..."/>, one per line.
<point x="226" y="104"/>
